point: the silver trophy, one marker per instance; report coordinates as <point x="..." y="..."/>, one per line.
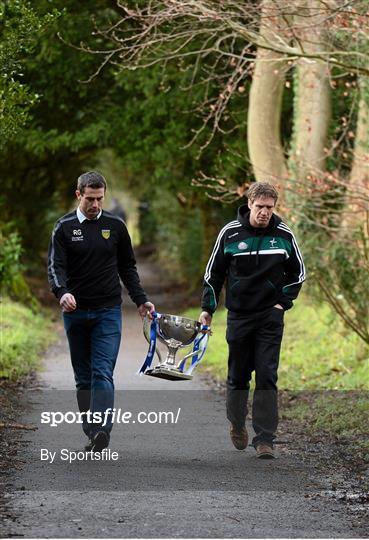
<point x="175" y="333"/>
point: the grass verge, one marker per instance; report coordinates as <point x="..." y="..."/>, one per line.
<point x="24" y="336"/>
<point x="339" y="418"/>
<point x="324" y="368"/>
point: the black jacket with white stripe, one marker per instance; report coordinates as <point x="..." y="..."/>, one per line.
<point x="87" y="259"/>
<point x="262" y="267"/>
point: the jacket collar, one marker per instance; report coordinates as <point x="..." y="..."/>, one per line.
<point x="243" y="216"/>
<point x="82" y="217"/>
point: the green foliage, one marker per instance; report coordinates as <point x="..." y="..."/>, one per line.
<point x="179" y="238"/>
<point x="11" y="269"/>
<point x="164" y="110"/>
<point x="180" y="220"/>
<point x="183" y="229"/>
<point x="64" y="123"/>
<point x="10" y="252"/>
<point x="19" y="24"/>
<point x="14" y="109"/>
<point x="24" y="336"/>
<point x="339" y="264"/>
<point x="336" y="253"/>
<point x="146" y="116"/>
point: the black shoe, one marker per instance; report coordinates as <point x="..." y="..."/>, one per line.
<point x="100" y="441"/>
<point x="89" y="445"/>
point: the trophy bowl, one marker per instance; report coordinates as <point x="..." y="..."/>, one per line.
<point x="179" y="329"/>
<point x="174" y="332"/>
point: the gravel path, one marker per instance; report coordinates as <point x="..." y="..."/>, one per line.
<point x="179" y="480"/>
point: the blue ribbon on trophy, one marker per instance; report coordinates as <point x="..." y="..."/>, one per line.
<point x="174" y="332"/>
<point x="198" y="352"/>
<point x="152" y="347"/>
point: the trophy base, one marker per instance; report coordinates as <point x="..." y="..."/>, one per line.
<point x="171" y="374"/>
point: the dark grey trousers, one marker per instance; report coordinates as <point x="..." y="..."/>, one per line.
<point x="254" y="344"/>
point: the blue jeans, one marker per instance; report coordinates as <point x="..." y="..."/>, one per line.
<point x="94" y="339"/>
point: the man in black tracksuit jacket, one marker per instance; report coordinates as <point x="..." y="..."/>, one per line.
<point x="90" y="251"/>
<point x="258" y="257"/>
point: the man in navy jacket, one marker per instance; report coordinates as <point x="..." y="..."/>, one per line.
<point x="90" y="252"/>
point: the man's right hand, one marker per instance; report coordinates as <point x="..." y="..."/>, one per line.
<point x="205" y="318"/>
<point x="68" y="302"/>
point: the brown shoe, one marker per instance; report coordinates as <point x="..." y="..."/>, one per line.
<point x="239" y="437"/>
<point x="264" y="451"/>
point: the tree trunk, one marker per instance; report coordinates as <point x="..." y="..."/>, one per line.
<point x="265" y="102"/>
<point x="312" y="101"/>
<point x="358" y="185"/>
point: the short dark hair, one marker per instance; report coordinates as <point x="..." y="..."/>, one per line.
<point x="91" y="179"/>
<point x="261" y="189"/>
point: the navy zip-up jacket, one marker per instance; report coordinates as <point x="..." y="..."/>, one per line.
<point x="87" y="259"/>
<point x="262" y="267"/>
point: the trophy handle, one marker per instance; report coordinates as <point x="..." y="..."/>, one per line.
<point x="159" y="355"/>
<point x="197" y="352"/>
<point x="189" y="355"/>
